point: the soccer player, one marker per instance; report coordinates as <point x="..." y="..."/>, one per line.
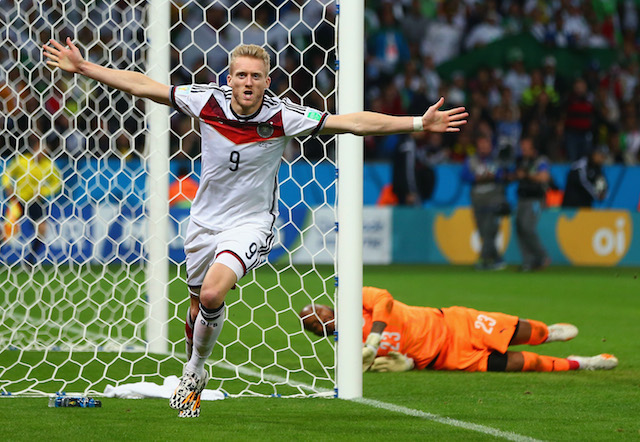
<point x="399" y="337"/>
<point x="244" y="130"/>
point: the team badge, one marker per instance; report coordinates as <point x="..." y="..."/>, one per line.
<point x="182" y="90"/>
<point x="265" y="130"/>
<point x="313" y="115"/>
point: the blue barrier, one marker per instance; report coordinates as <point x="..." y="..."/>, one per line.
<point x="90" y="179"/>
<point x="99" y="214"/>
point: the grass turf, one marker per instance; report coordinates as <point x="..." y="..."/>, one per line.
<point x="603" y="303"/>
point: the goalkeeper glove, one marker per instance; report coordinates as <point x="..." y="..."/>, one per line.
<point x="370" y="349"/>
<point x="394" y="361"/>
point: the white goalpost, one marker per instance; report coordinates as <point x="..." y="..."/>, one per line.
<point x="350" y="175"/>
<point x="103" y="301"/>
<point x="157" y="159"/>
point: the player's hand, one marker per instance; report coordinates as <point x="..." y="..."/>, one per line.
<point x="394" y="361"/>
<point x="370" y="349"/>
<point x="435" y="120"/>
<point x="66" y="58"/>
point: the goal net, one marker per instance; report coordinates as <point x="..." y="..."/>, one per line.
<point x="76" y="301"/>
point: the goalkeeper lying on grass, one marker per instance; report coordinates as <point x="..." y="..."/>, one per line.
<point x="399" y="337"/>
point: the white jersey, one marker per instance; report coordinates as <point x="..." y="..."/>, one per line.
<point x="241" y="154"/>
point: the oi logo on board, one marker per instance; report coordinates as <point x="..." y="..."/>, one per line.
<point x="595" y="237"/>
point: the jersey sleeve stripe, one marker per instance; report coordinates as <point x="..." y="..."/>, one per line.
<point x="320" y="124"/>
<point x="172" y="97"/>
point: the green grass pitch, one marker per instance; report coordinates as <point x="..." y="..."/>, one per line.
<point x="603" y="303"/>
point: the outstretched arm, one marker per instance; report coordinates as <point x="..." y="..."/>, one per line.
<point x="69" y="59"/>
<point x="373" y="123"/>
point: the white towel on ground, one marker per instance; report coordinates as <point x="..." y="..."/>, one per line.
<point x="140" y="390"/>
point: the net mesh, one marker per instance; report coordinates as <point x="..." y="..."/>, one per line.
<point x="74" y="299"/>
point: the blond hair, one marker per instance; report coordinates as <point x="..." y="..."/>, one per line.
<point x="252" y="51"/>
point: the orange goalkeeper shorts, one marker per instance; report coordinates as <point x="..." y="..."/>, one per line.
<point x="472" y="336"/>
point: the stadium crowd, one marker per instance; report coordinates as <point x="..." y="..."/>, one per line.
<point x="566" y="113"/>
<point x="407" y="44"/>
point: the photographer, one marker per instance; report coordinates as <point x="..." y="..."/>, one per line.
<point x="586" y="181"/>
<point x="486" y="173"/>
<point x="532" y="174"/>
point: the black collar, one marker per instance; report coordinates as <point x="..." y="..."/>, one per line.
<point x="246" y="117"/>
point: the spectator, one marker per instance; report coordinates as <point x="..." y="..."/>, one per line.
<point x="388" y="48"/>
<point x="532" y="174"/>
<point x="444" y="36"/>
<point x="538" y="86"/>
<point x="415" y="24"/>
<point x="508" y="125"/>
<point x="586" y="182"/>
<point x="463" y="147"/>
<point x="537" y="22"/>
<point x="578" y="121"/>
<point x="595" y="39"/>
<point x="555" y="34"/>
<point x="457" y="90"/>
<point x="550" y="75"/>
<point x="193" y="30"/>
<point x="486" y="177"/>
<point x="183" y="190"/>
<point x="30" y="180"/>
<point x="517" y="79"/>
<point x="390" y="103"/>
<point x="408" y="83"/>
<point x="431" y="78"/>
<point x="414" y="178"/>
<point x="629" y="80"/>
<point x="513" y="19"/>
<point x="488" y="31"/>
<point x="574" y="25"/>
<point x="630" y="140"/>
<point x="607" y="111"/>
<point x="541" y="124"/>
<point x="486" y="82"/>
<point x="540" y="116"/>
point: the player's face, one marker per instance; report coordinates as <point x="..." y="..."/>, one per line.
<point x="248" y="80"/>
<point x="320" y="321"/>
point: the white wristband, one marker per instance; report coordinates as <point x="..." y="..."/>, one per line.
<point x="417" y="124"/>
<point x="373" y="341"/>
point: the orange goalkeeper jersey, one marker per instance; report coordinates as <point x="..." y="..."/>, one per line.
<point x="418" y="332"/>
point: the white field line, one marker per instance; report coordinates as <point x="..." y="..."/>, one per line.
<point x="391" y="407"/>
<point x="446" y="420"/>
<point x="370" y="402"/>
<point x="396" y="408"/>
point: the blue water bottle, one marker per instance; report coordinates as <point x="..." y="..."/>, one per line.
<point x="61" y="400"/>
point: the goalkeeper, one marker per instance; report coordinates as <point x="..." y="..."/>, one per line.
<point x="399" y="337"/>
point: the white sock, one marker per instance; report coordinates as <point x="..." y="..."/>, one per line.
<point x="206" y="330"/>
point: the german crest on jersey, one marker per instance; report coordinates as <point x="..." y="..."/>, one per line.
<point x="265" y="130"/>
